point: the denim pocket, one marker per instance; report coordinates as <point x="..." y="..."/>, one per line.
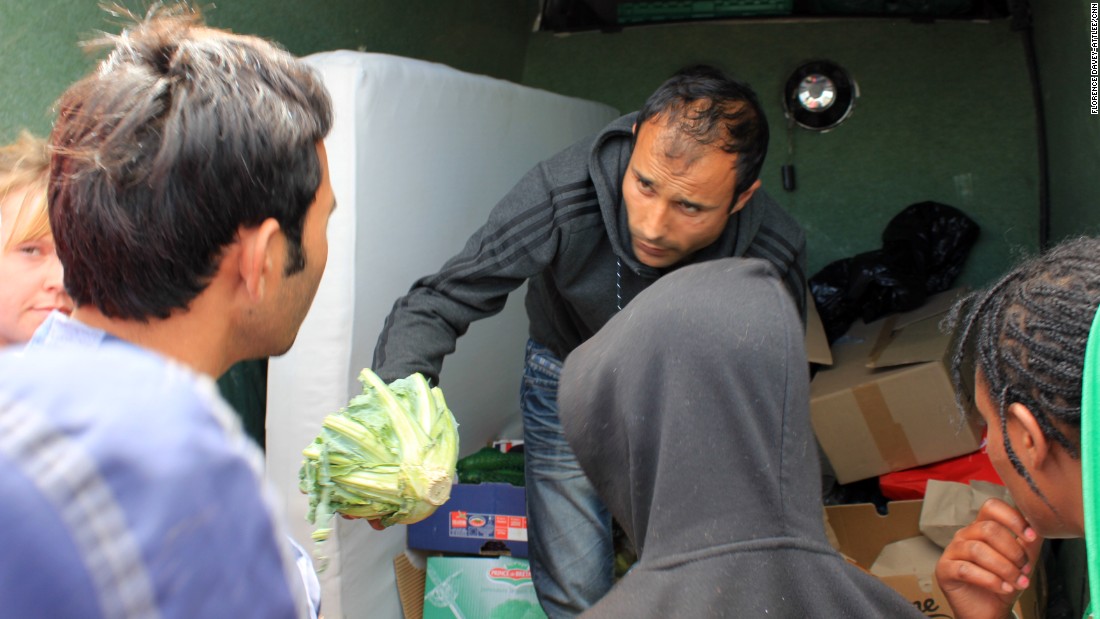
<point x="542" y="369"/>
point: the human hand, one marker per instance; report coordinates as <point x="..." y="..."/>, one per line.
<point x="375" y="523"/>
<point x="989" y="563"/>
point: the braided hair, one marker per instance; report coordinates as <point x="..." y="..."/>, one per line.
<point x="1027" y="334"/>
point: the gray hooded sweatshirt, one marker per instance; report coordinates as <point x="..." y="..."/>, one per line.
<point x="563" y="230"/>
<point x="689" y="413"/>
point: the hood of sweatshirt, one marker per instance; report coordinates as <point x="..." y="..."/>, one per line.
<point x="689" y="413"/>
<point x="691" y="406"/>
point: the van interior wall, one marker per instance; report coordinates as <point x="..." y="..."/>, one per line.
<point x="39" y="40"/>
<point x="1062" y="42"/>
<point x="945" y="114"/>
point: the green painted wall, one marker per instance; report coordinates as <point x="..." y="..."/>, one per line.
<point x="479" y="36"/>
<point x="937" y="119"/>
<point x="1073" y="133"/>
<point x="38" y="40"/>
<point x="40" y="58"/>
<point x="927" y="127"/>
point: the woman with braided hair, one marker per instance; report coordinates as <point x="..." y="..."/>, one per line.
<point x="1023" y="342"/>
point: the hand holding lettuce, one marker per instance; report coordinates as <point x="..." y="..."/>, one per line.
<point x="389" y="455"/>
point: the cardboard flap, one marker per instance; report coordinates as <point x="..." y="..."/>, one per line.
<point x="849" y="354"/>
<point x="915" y="336"/>
<point x="862" y="532"/>
<point x="935" y="305"/>
<point x="410" y="586"/>
<point x="817" y="345"/>
<point x="917" y="342"/>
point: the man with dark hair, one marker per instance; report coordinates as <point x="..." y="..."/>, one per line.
<point x="587" y="230"/>
<point x="189" y="195"/>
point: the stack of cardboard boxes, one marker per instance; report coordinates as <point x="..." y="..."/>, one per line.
<point x="881" y="401"/>
<point x="886" y="402"/>
<point x="474" y="550"/>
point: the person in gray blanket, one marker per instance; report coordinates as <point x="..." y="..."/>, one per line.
<point x="689" y="412"/>
<point x="673" y="184"/>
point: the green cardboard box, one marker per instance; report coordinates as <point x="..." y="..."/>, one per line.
<point x="480" y="588"/>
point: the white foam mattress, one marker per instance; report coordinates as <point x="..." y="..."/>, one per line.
<point x="418" y="155"/>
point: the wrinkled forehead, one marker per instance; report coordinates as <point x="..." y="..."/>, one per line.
<point x="677" y="148"/>
<point x="672" y="143"/>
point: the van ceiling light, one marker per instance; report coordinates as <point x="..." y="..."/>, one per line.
<point x="819" y="95"/>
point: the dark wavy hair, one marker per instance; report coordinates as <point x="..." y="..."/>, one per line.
<point x="1027" y="335"/>
<point x="181" y="136"/>
<point x="713" y="108"/>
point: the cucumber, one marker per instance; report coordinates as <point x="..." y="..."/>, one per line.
<point x="489" y="459"/>
<point x="502" y="476"/>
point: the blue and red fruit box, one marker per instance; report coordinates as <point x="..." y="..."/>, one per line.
<point x="478" y="519"/>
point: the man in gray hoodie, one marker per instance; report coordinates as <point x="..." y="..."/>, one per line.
<point x="673" y="184"/>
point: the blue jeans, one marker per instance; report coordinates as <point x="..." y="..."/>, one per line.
<point x="569" y="529"/>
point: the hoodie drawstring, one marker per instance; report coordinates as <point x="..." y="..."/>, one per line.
<point x="618" y="284"/>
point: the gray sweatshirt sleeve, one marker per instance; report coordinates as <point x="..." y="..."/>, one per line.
<point x="518" y="241"/>
<point x="782" y="241"/>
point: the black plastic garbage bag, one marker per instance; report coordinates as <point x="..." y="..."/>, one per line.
<point x="937" y="237"/>
<point x="924" y="248"/>
<point x="829" y="288"/>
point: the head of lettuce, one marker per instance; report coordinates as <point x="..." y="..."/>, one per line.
<point x="389" y="455"/>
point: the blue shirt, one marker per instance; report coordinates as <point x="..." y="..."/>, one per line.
<point x="128" y="489"/>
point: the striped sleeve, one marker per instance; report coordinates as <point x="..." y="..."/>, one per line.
<point x="519" y="240"/>
<point x="788" y="259"/>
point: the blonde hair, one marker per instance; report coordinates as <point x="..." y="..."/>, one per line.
<point x="25" y="166"/>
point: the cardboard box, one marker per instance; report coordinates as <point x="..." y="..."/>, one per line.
<point x="410" y="586"/>
<point x="887" y="402"/>
<point x="817" y="343"/>
<point x="493" y="588"/>
<point x="859" y="532"/>
<point x="478" y="519"/>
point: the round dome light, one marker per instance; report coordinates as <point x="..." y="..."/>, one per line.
<point x="819" y="95"/>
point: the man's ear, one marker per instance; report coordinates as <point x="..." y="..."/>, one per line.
<point x="1027" y="437"/>
<point x="745" y="196"/>
<point x="259" y="256"/>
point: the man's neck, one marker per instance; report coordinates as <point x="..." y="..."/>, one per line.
<point x="185" y="336"/>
